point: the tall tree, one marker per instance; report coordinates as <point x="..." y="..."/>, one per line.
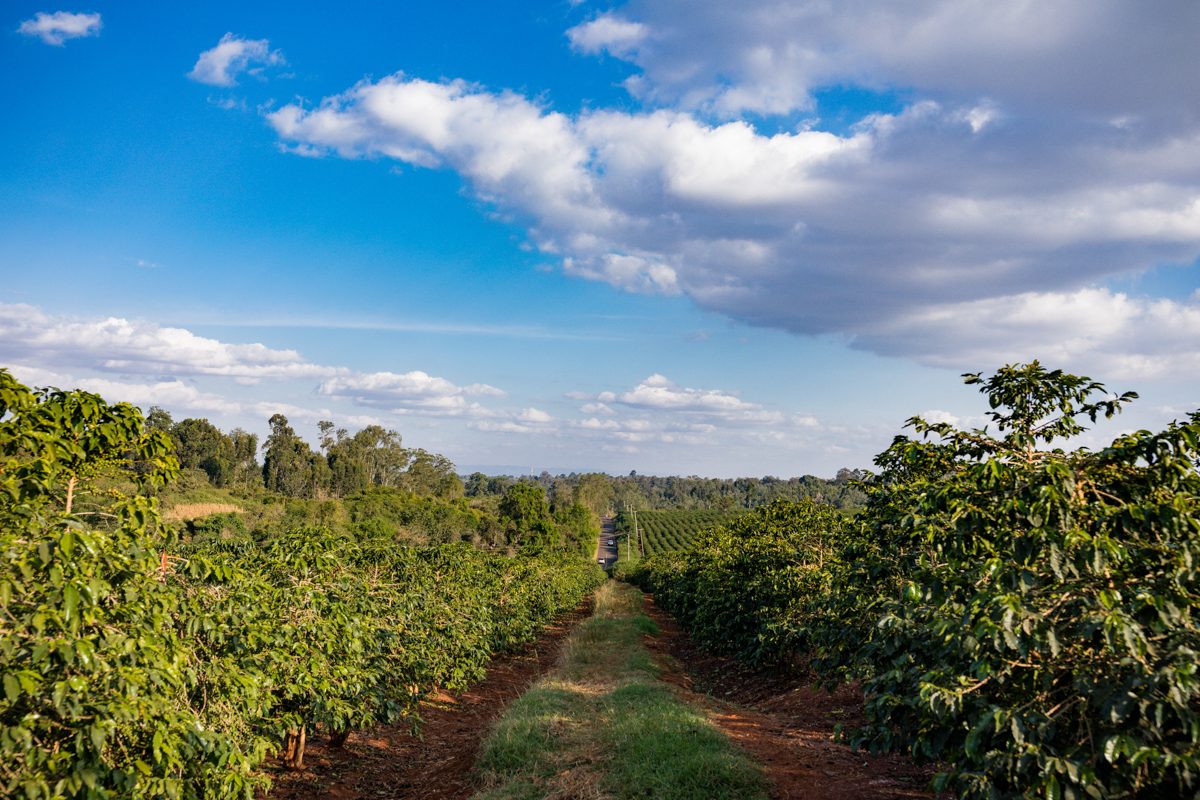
<point x="245" y="456"/>
<point x="290" y="466"/>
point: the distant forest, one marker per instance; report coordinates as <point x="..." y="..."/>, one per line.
<point x="673" y="492"/>
<point x="345" y="465"/>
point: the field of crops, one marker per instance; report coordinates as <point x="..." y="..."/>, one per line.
<point x="140" y="667"/>
<point x="664" y="531"/>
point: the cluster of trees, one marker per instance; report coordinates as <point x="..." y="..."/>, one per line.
<point x="370" y="479"/>
<point x="1023" y="614"/>
<point x="136" y="666"/>
<point x="343" y="464"/>
<point x="229" y="459"/>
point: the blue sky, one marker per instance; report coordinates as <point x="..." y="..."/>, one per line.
<point x="682" y="238"/>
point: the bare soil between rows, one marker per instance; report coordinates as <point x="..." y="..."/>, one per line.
<point x="780" y="721"/>
<point x="786" y="724"/>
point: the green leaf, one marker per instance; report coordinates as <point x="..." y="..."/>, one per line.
<point x="71" y="603"/>
<point x="1053" y="790"/>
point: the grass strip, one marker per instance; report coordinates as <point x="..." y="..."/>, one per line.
<point x="602" y="726"/>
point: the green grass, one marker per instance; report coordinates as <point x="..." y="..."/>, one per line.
<point x="602" y="725"/>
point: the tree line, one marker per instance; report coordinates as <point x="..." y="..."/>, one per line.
<point x="603" y="493"/>
<point x="344" y="464"/>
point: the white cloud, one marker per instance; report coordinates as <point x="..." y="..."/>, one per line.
<point x="610" y="33"/>
<point x="1003" y="175"/>
<point x="1095" y="331"/>
<point x="138" y="347"/>
<point x="168" y="394"/>
<point x="532" y="415"/>
<point x="41" y="348"/>
<point x="413" y="391"/>
<point x="61" y="25"/>
<point x="656" y="411"/>
<point x="596" y="408"/>
<point x="174" y="395"/>
<point x="659" y="393"/>
<point x="233" y="55"/>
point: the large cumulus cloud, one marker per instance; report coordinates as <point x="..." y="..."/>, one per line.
<point x="1044" y="148"/>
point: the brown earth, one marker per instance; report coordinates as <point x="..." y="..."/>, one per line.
<point x="781" y="721"/>
<point x="787" y="725"/>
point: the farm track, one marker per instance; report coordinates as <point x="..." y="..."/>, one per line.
<point x="780" y="722"/>
<point x="387" y="762"/>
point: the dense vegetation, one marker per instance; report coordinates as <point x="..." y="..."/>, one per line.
<point x="135" y="665"/>
<point x="1023" y="614"/>
<point x="368" y="479"/>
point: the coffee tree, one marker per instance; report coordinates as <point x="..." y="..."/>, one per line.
<point x="1044" y="642"/>
<point x="95" y="674"/>
<point x="1022" y="613"/>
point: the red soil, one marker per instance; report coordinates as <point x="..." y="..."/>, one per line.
<point x="787" y="725"/>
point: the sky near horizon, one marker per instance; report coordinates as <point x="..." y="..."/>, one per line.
<point x="725" y="239"/>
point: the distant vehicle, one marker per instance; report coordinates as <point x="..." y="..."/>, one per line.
<point x="612" y="541"/>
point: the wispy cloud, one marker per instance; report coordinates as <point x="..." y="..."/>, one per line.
<point x="408" y="392"/>
<point x="56" y="28"/>
<point x="232" y="56"/>
<point x="511" y="331"/>
<point x="45" y="350"/>
<point x="150" y="364"/>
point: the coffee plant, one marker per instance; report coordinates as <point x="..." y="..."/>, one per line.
<point x="1022" y="613"/>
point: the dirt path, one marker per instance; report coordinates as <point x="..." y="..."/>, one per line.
<point x="786" y="725"/>
<point x="386" y="762"/>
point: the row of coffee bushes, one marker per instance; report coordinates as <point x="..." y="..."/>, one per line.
<point x="132" y="667"/>
<point x="1026" y="616"/>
